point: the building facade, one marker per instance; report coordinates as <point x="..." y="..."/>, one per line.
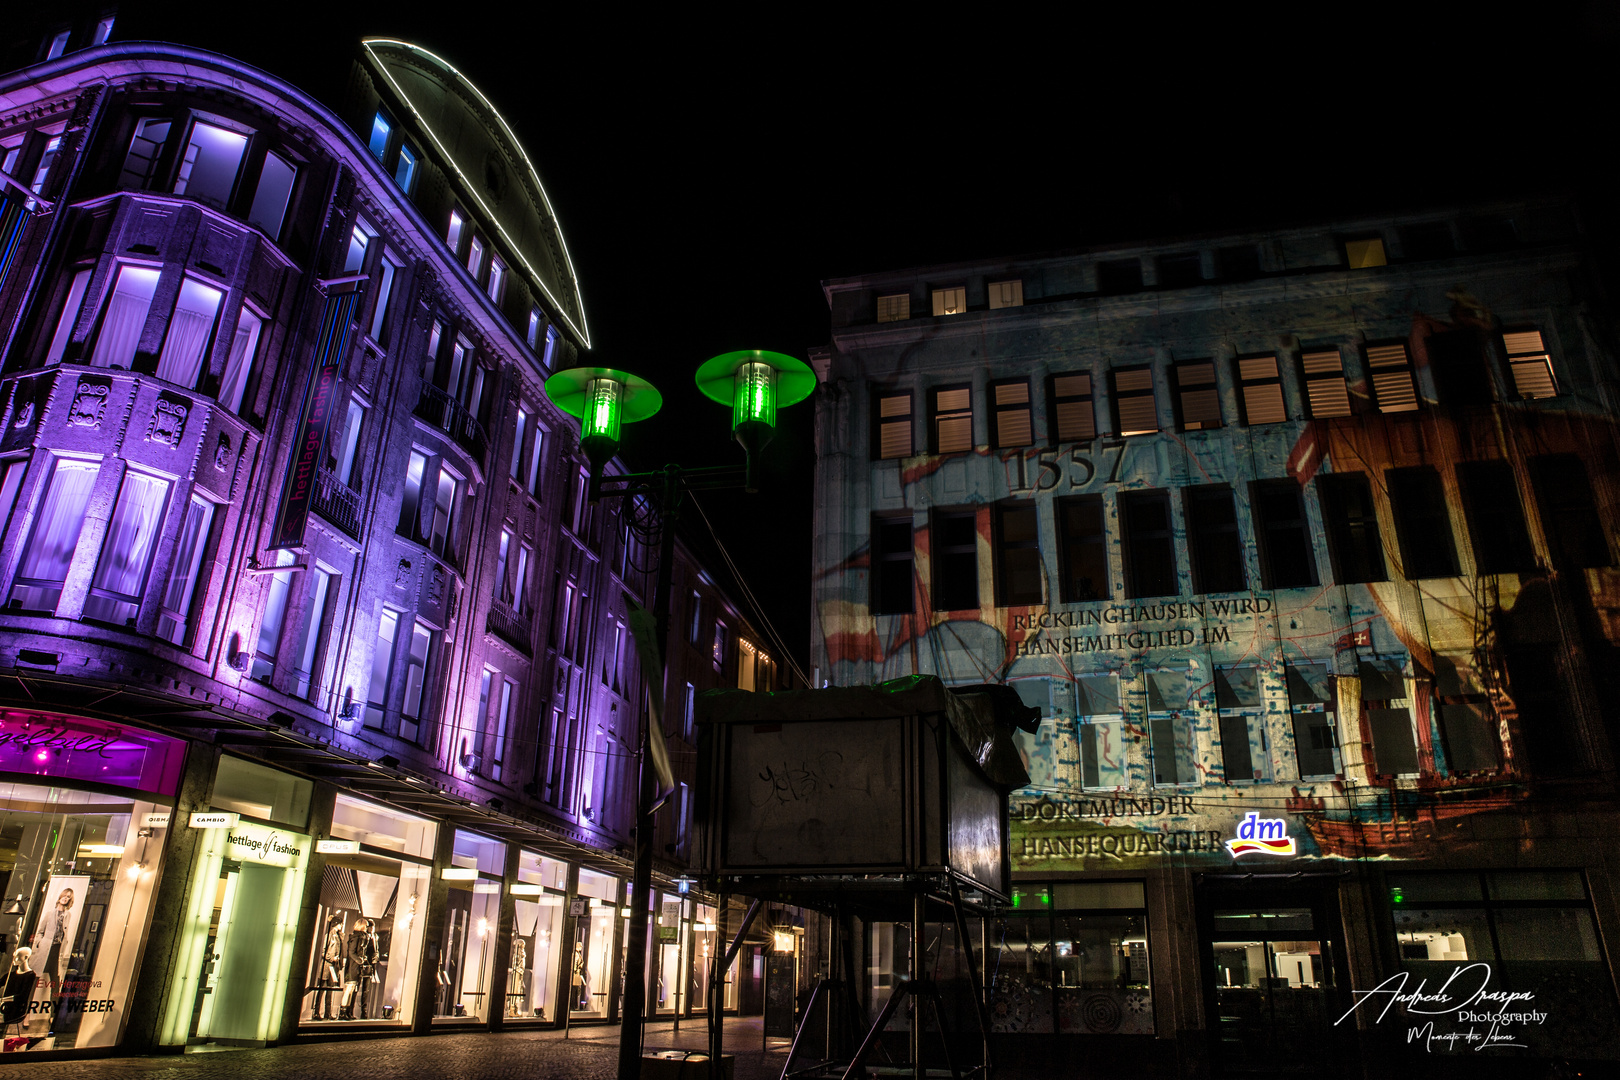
<point x="322" y="709"/>
<point x="1303" y="542"/>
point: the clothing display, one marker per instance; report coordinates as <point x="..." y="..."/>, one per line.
<point x="17" y="995"/>
<point x="362" y="954"/>
<point x="330" y="979"/>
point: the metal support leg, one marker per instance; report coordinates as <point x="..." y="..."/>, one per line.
<point x="882" y="1022"/>
<point x="804" y="1022"/>
<point x="918" y="911"/>
<point x="977" y="985"/>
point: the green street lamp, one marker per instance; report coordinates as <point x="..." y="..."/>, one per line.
<point x="603" y="399"/>
<point x="755" y="384"/>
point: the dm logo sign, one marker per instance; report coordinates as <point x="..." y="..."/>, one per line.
<point x="1267" y="836"/>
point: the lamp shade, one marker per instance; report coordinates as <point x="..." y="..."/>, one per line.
<point x="604" y="399"/>
<point x="755" y="383"/>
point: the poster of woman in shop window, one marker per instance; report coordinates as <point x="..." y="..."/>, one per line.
<point x="57" y="929"/>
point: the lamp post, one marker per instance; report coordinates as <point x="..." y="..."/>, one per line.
<point x="754" y="384"/>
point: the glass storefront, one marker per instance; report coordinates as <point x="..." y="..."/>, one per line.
<point x="538" y="902"/>
<point x="672" y="941"/>
<point x="590" y="968"/>
<point x="472" y="916"/>
<point x="369" y="923"/>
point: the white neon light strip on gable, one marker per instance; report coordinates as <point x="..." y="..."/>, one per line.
<point x="556" y="304"/>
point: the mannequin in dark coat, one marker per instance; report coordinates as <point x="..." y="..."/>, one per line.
<point x="363" y="955"/>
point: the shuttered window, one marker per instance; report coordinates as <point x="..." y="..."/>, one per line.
<point x="1072" y="415"/>
<point x="953" y="420"/>
<point x="1260" y="390"/>
<point x="1197" y="398"/>
<point x="1135" y="412"/>
<point x="1530" y="364"/>
<point x="1014" y="424"/>
<point x="951" y="301"/>
<point x="895" y="308"/>
<point x="1325" y="387"/>
<point x="1006" y="294"/>
<point x="892" y="425"/>
<point x="1394" y="387"/>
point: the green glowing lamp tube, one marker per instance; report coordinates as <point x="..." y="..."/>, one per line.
<point x="755" y="384"/>
<point x="604" y="400"/>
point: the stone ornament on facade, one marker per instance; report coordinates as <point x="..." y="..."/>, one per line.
<point x="222" y="453"/>
<point x="168" y="422"/>
<point x="89" y="402"/>
<point x="402" y="574"/>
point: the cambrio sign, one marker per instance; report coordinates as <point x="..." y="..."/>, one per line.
<point x="1264" y="836"/>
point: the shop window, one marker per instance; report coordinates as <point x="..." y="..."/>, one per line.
<point x="144" y="147"/>
<point x="1569" y="515"/>
<point x="1170" y="727"/>
<point x="1468" y="726"/>
<point x="1394" y="383"/>
<point x="955" y="553"/>
<point x="270" y="199"/>
<point x="1148" y="544"/>
<point x="591" y="965"/>
<point x="1245" y="750"/>
<point x="126" y="553"/>
<point x="1005" y="294"/>
<point x="471" y="921"/>
<point x="1312" y="707"/>
<point x="413" y="709"/>
<point x="1260" y="390"/>
<point x="891" y="566"/>
<point x="43" y="568"/>
<point x="267" y="646"/>
<point x="1014" y="419"/>
<point x="1073" y="418"/>
<point x="950" y="419"/>
<point x="1018" y="554"/>
<point x="1082" y="548"/>
<point x="1019" y="981"/>
<point x="892" y="425"/>
<point x="312" y="633"/>
<point x="1119" y="276"/>
<point x="65" y="322"/>
<point x="258" y="791"/>
<point x="1351" y="523"/>
<point x="382" y="669"/>
<point x="125" y="317"/>
<point x="209" y="163"/>
<point x="1181" y="270"/>
<point x="538" y="907"/>
<point x="175" y="618"/>
<point x="405" y="168"/>
<point x="951" y="301"/>
<point x="1496" y="527"/>
<point x="1389" y="717"/>
<point x="1135" y="410"/>
<point x="1213" y="540"/>
<point x="1422" y="522"/>
<point x="1273" y="975"/>
<point x="1365" y="253"/>
<point x="1198" y="401"/>
<point x="1530" y="364"/>
<point x="1326" y="391"/>
<point x="1286" y="561"/>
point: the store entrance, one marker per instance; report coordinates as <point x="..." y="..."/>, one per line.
<point x="1273" y="958"/>
<point x="231" y="986"/>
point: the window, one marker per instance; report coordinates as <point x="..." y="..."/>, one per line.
<point x="892" y="425"/>
<point x="359" y="239"/>
<point x="381" y="129"/>
<point x="1150" y="558"/>
<point x="520" y="576"/>
<point x="268" y="644"/>
<point x="239" y="362"/>
<point x="1422" y="522"/>
<point x="175" y="618"/>
<point x="532" y="335"/>
<point x="382" y="669"/>
<point x="387" y="270"/>
<point x="126" y="553"/>
<point x="58" y="45"/>
<point x="1102" y="754"/>
<point x="497" y="755"/>
<point x="1394" y="387"/>
<point x="896" y="308"/>
<point x="1171" y="741"/>
<point x="1569" y="517"/>
<point x="1006" y="294"/>
<point x="411" y="710"/>
<point x="47" y="159"/>
<point x="410" y="508"/>
<point x="1120" y="276"/>
<point x="532" y="484"/>
<point x="346" y="448"/>
<point x="1496" y="528"/>
<point x="1389" y="718"/>
<point x="1082" y="549"/>
<point x="475" y="257"/>
<point x="951" y="301"/>
<point x="209" y="164"/>
<point x="565" y="615"/>
<point x="1286" y="561"/>
<point x="497" y="278"/>
<point x="1352" y="528"/>
<point x="444" y="505"/>
<point x="1530" y="364"/>
<point x="955" y="545"/>
<point x="1014" y="423"/>
<point x="516" y="471"/>
<point x="891" y="566"/>
<point x="125" y="317"/>
<point x="1457" y="366"/>
<point x="144" y="147"/>
<point x="1260" y="390"/>
<point x="311" y="634"/>
<point x="952" y="420"/>
<point x="689" y="713"/>
<point x="44" y="565"/>
<point x="500" y="565"/>
<point x="1365" y="253"/>
<point x="1312" y="704"/>
<point x="69" y="316"/>
<point x="11" y="476"/>
<point x="452" y="235"/>
<point x="694" y="626"/>
<point x="191" y="331"/>
<point x="270" y="199"/>
<point x="1427" y="240"/>
<point x="721" y="636"/>
<point x="1135" y="412"/>
<point x="1018" y="554"/>
<point x="1181" y="270"/>
<point x="1244" y="752"/>
<point x="1197" y="398"/>
<point x="405" y="168"/>
<point x="551" y="346"/>
<point x="103" y="31"/>
<point x="1468" y="725"/>
<point x="1213" y="540"/>
<point x="1325" y="389"/>
<point x="1069" y="397"/>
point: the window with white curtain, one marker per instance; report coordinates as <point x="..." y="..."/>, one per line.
<point x="125" y="317"/>
<point x="69" y="316"/>
<point x="239" y="363"/>
<point x="310" y="634"/>
<point x="270" y="198"/>
<point x="191" y="329"/>
<point x="188" y="554"/>
<point x="275" y="614"/>
<point x="44" y="564"/>
<point x="208" y="167"/>
<point x="126" y="554"/>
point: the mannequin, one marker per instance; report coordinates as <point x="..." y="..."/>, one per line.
<point x="579" y="988"/>
<point x="18" y="993"/>
<point x="362" y="956"/>
<point x="330" y="976"/>
<point x="515" y="975"/>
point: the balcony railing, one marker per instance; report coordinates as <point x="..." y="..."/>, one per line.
<point x="337" y="502"/>
<point x="510" y="625"/>
<point x="439" y="408"/>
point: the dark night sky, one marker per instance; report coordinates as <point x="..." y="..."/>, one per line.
<point x="710" y="172"/>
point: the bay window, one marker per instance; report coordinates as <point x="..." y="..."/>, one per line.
<point x="126" y="554"/>
<point x="188" y="554"/>
<point x="191" y="329"/>
<point x="45" y="561"/>
<point x="239" y="362"/>
<point x="125" y="317"/>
